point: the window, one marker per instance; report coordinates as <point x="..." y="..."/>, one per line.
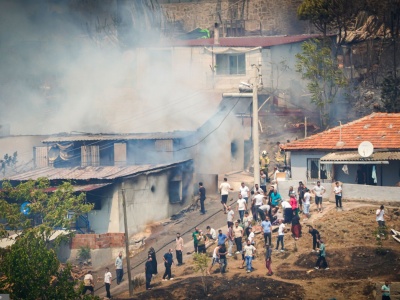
<point x="231" y="64"/>
<point x="175" y="191"/>
<point x="315" y="170"/>
<point x="90" y="156"/>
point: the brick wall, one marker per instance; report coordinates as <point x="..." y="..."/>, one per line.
<point x="98" y="241"/>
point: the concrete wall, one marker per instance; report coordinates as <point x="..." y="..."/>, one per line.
<point x="274" y="17"/>
<point x="299" y="163"/>
<point x="371" y="193"/>
<point x="23" y="144"/>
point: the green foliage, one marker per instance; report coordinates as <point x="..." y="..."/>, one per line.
<point x="390" y="94"/>
<point x="84" y="253"/>
<point x="200" y="261"/>
<point x="51" y="209"/>
<point x="380" y="234"/>
<point x="317" y="12"/>
<point x="32" y="271"/>
<point x="318" y="67"/>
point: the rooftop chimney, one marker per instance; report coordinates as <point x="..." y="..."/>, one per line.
<point x="216" y="34"/>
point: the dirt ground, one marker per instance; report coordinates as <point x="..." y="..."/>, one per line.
<point x="351" y="244"/>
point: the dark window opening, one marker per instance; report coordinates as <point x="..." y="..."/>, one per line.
<point x="234" y="149"/>
<point x="175" y="191"/>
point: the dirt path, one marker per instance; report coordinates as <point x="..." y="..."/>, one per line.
<point x="355" y="267"/>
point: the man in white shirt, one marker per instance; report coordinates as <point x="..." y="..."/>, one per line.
<point x="107" y="282"/>
<point x="241" y="207"/>
<point x="229" y="217"/>
<point x="259" y="200"/>
<point x="224" y="189"/>
<point x="88" y="283"/>
<point x="249" y="251"/>
<point x="245" y="192"/>
<point x="338" y="194"/>
<point x="251" y="236"/>
<point x="247" y="222"/>
<point x="306" y="203"/>
<point x="318" y="191"/>
<point x="215" y="259"/>
<point x="380" y="216"/>
<point x="281" y="235"/>
<point x="287" y="212"/>
<point x="211" y="233"/>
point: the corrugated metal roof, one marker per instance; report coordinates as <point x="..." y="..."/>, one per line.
<point x="354" y="156"/>
<point x="87" y="173"/>
<point x="124" y="137"/>
<point x="254" y="41"/>
<point x="80" y="188"/>
<point x="381" y="129"/>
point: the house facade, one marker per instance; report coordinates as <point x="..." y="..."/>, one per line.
<point x="333" y="155"/>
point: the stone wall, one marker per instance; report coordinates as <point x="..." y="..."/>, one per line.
<point x="271" y="16"/>
<point x="98" y="241"/>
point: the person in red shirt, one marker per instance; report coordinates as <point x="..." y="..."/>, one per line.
<point x="294" y="204"/>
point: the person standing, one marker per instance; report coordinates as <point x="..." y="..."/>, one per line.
<point x="247" y="222"/>
<point x="296" y="226"/>
<point x="245" y="192"/>
<point x="386" y="291"/>
<point x="202" y="194"/>
<point x="118" y="268"/>
<point x="231" y="239"/>
<point x="380" y="216"/>
<point x="179" y="248"/>
<point x="148" y="270"/>
<point x="224" y="189"/>
<point x="315" y="237"/>
<point x="249" y="251"/>
<point x="321" y="256"/>
<point x="318" y="191"/>
<point x="263" y="181"/>
<point x="152" y="253"/>
<point x="88" y="283"/>
<point x="168" y="261"/>
<point x="215" y="259"/>
<point x="266" y="225"/>
<point x="241" y="207"/>
<point x="300" y="192"/>
<point x="201" y="238"/>
<point x="259" y="200"/>
<point x="222" y="258"/>
<point x="281" y="235"/>
<point x="229" y="217"/>
<point x="107" y="282"/>
<point x="287" y="212"/>
<point x="221" y="237"/>
<point x="195" y="234"/>
<point x="268" y="259"/>
<point x="306" y="203"/>
<point x="294" y="205"/>
<point x="338" y="194"/>
<point x="251" y="236"/>
<point x="238" y="234"/>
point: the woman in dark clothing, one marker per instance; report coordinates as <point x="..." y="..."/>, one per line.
<point x="152" y="253"/>
<point x="296" y="226"/>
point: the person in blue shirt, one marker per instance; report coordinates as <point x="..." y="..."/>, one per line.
<point x="275" y="198"/>
<point x="221" y="237"/>
<point x="168" y="261"/>
<point x="266" y="225"/>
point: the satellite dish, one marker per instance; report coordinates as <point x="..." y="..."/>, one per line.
<point x="25" y="209"/>
<point x="365" y="149"/>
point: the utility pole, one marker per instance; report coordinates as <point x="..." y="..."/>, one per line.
<point x="305" y="127"/>
<point x="255" y="128"/>
<point x="128" y="260"/>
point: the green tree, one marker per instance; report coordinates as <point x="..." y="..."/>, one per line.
<point x="318" y="13"/>
<point x="201" y="264"/>
<point x="390" y="94"/>
<point x="48" y="211"/>
<point x="29" y="269"/>
<point x="316" y="65"/>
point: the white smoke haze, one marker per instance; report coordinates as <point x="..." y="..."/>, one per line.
<point x="64" y="70"/>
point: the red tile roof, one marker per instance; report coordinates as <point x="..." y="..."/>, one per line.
<point x="257" y="41"/>
<point x="381" y="129"/>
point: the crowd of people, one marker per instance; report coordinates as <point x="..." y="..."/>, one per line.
<point x="254" y="207"/>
